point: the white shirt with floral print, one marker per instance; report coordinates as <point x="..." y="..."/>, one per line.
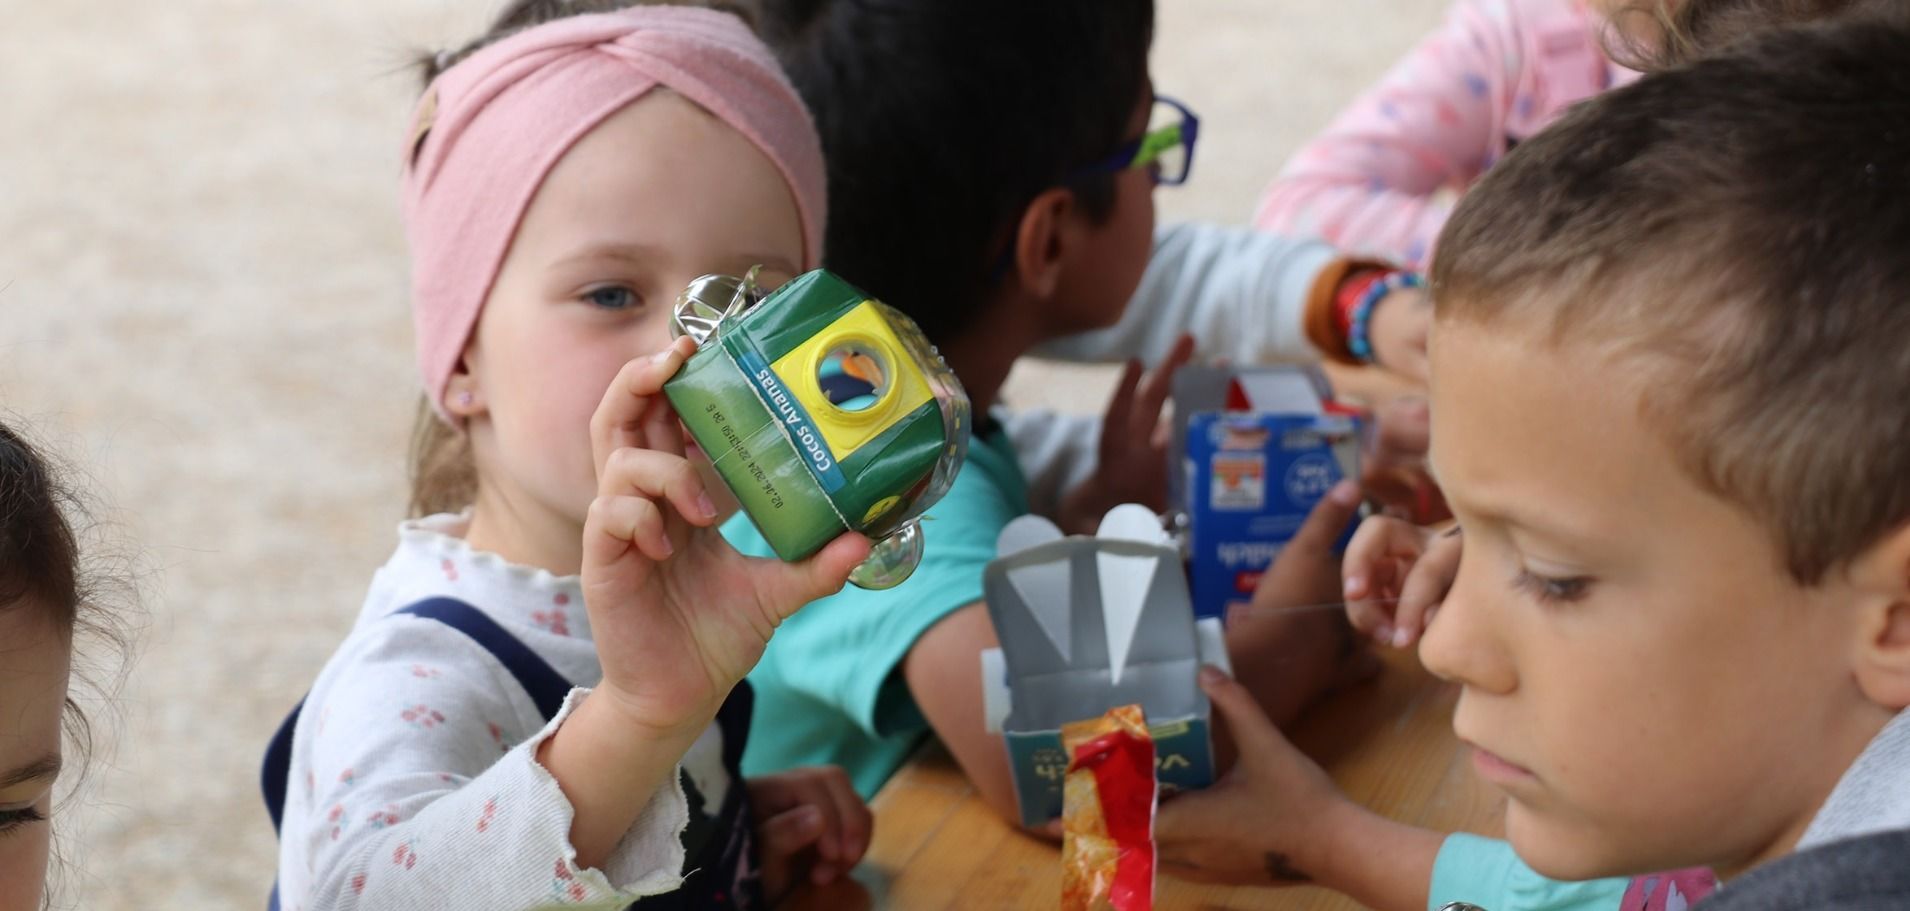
<point x="413" y="779"/>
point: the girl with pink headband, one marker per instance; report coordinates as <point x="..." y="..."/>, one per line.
<point x="541" y="701"/>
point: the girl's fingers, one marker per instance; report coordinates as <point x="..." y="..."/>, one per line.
<point x="1370" y="608"/>
<point x="1404" y="431"/>
<point x="816" y="794"/>
<point x="854" y="814"/>
<point x="647" y="473"/>
<point x="791" y="831"/>
<point x="616" y="524"/>
<point x="1426" y="586"/>
<point x="1422" y="594"/>
<point x="1369" y="617"/>
<point x="619" y="420"/>
<point x="662" y="429"/>
<point x="1375" y="544"/>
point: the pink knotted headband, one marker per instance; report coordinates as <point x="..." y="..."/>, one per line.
<point x="495" y="124"/>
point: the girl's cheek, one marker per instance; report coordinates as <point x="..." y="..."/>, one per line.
<point x="654" y="335"/>
<point x="23" y="860"/>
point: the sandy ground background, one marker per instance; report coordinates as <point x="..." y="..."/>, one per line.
<point x="202" y="303"/>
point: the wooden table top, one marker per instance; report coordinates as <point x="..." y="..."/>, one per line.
<point x="1388" y="743"/>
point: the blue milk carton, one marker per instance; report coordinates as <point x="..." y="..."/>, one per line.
<point x="1258" y="450"/>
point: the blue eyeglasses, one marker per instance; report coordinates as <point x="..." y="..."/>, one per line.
<point x="1166" y="149"/>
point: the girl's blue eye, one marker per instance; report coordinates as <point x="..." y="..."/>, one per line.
<point x="11" y="820"/>
<point x="613" y="297"/>
<point x="1552" y="590"/>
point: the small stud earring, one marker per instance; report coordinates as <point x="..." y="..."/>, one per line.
<point x="464" y="399"/>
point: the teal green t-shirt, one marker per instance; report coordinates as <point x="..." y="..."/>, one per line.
<point x="829" y="687"/>
<point x="1485" y="872"/>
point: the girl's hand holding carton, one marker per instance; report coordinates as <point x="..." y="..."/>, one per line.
<point x="679" y="616"/>
<point x="823" y="410"/>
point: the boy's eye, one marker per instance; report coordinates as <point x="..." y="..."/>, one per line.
<point x="612" y="297"/>
<point x="1550" y="589"/>
<point x="14" y="820"/>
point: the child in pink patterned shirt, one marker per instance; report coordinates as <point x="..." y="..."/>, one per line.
<point x="1382" y="178"/>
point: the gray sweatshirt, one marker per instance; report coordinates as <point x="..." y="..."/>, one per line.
<point x="1243" y="295"/>
<point x="1856" y="854"/>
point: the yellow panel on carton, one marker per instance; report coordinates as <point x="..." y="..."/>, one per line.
<point x="857" y="349"/>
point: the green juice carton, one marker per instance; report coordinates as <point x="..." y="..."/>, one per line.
<point x="824" y="411"/>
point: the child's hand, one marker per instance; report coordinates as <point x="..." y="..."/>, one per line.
<point x="1131" y="464"/>
<point x="1263" y="821"/>
<point x="1396" y="574"/>
<point x="1307" y="570"/>
<point x="808" y="819"/>
<point x="1286" y="657"/>
<point x="1277" y="819"/>
<point x="1398" y="332"/>
<point x="1393" y="469"/>
<point x="677" y="614"/>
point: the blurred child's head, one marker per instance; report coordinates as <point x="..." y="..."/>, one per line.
<point x="1664" y="33"/>
<point x="968" y="147"/>
<point x="1669" y="366"/>
<point x="565" y="183"/>
<point x="48" y="597"/>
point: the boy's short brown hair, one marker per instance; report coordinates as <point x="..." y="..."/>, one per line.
<point x="1737" y="232"/>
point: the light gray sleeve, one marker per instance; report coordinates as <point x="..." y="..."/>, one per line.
<point x="1241" y="292"/>
<point x="1056" y="451"/>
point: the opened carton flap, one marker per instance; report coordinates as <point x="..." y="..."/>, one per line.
<point x="1086" y="623"/>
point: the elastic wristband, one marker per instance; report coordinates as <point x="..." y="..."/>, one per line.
<point x="1357" y="338"/>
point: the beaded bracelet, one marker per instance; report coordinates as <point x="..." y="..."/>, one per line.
<point x="1348" y="294"/>
<point x="1357" y="340"/>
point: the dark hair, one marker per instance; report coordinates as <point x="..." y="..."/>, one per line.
<point x="1736" y="230"/>
<point x="942" y="119"/>
<point x="519" y="15"/>
<point x="45" y="566"/>
<point x="39" y="553"/>
<point x="1683" y="30"/>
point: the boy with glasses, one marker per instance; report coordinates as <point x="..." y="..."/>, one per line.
<point x="999" y="191"/>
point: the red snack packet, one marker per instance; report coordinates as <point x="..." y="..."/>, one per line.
<point x="1108" y="799"/>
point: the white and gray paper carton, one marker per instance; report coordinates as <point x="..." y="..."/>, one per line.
<point x="1087" y="624"/>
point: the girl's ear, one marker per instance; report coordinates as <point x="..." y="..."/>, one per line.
<point x="1042" y="241"/>
<point x="463" y="396"/>
<point x="1882" y="574"/>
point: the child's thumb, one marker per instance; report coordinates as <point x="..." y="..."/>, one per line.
<point x="1251" y="730"/>
<point x="828" y="570"/>
<point x="1329" y="519"/>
